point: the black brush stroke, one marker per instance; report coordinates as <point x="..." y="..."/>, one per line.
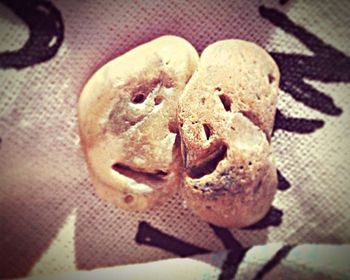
<point x="234" y="256"/>
<point x="150" y="236"/>
<point x="283" y="183"/>
<point x="274" y="261"/>
<point x="326" y="65"/>
<point x="226" y="238"/>
<point x="272" y="218"/>
<point x="297" y="125"/>
<point x="231" y="264"/>
<point x="45" y="24"/>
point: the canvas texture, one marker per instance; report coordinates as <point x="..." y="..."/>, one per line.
<point x="51" y="220"/>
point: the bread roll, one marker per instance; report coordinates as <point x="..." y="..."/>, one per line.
<point x="225" y="118"/>
<point x="127" y="121"/>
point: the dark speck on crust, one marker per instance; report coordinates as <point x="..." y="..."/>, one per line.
<point x="226" y="186"/>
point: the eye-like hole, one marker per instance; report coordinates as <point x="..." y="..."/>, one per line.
<point x="140" y="91"/>
<point x="158" y="99"/>
<point x="226" y="101"/>
<point x="218" y="89"/>
<point x="207" y="130"/>
<point x="138" y="98"/>
<point x="128" y="198"/>
<point x="209" y="164"/>
<point x="271" y="78"/>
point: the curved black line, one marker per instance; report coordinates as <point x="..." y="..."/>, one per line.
<point x="297" y="125"/>
<point x="305" y="93"/>
<point x="283" y="2"/>
<point x="283" y="183"/>
<point x="272" y="218"/>
<point x="46" y="33"/>
<point x="274" y="261"/>
<point x="231" y="264"/>
<point x="226" y="238"/>
<point x="150" y="236"/>
<point x="234" y="256"/>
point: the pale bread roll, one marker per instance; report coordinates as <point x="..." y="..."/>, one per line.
<point x="127" y="121"/>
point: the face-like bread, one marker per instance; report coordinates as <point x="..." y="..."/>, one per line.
<point x="127" y="121"/>
<point x="225" y="118"/>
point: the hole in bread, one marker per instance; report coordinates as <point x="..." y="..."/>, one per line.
<point x="172" y="127"/>
<point x="128" y="198"/>
<point x="207" y="130"/>
<point x="158" y="99"/>
<point x="160" y="173"/>
<point x="209" y="164"/>
<point x="218" y="89"/>
<point x="137" y="175"/>
<point x="271" y="78"/>
<point x="140" y="92"/>
<point x="226" y="101"/>
<point x="138" y="98"/>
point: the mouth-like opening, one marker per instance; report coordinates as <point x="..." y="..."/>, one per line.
<point x="208" y="165"/>
<point x="139" y="176"/>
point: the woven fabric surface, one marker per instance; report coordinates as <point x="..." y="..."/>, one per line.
<point x="49" y="49"/>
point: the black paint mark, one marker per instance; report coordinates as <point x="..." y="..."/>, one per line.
<point x="272" y="218"/>
<point x="46" y="34"/>
<point x="148" y="235"/>
<point x="283" y="183"/>
<point x="231" y="264"/>
<point x="226" y="238"/>
<point x="326" y="65"/>
<point x="298" y="125"/>
<point x="234" y="256"/>
<point x="272" y="263"/>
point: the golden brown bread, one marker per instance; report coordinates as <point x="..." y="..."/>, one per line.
<point x="127" y="122"/>
<point x="225" y="118"/>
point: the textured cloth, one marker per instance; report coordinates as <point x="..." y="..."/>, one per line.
<point x="50" y="217"/>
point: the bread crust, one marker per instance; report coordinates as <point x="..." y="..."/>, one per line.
<point x="127" y="123"/>
<point x="225" y="118"/>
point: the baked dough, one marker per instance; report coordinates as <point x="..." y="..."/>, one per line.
<point x="127" y="121"/>
<point x="225" y="118"/>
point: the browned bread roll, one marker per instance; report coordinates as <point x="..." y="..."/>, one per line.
<point x="127" y="121"/>
<point x="225" y="118"/>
